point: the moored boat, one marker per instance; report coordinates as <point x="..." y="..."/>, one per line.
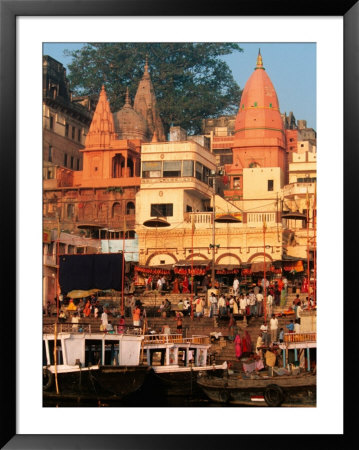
<point x="261" y="389"/>
<point x="177" y="361"/>
<point x="91" y="365"/>
<point x="277" y="386"/>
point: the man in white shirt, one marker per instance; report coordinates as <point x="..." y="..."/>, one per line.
<point x="222" y="306"/>
<point x="213" y="305"/>
<point x="273" y="328"/>
<point x="159" y="284"/>
<point x="253" y="303"/>
<point x="298" y="312"/>
<point x="264" y="331"/>
<point x="235" y="286"/>
<point x="242" y="304"/>
<point x="75" y="320"/>
<point x="259" y="304"/>
<point x="104" y="320"/>
<point x="269" y="304"/>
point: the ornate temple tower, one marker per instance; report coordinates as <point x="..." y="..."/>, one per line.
<point x="145" y="103"/>
<point x="259" y="137"/>
<point x="102" y="128"/>
<point x="259" y="134"/>
<point x="130" y="124"/>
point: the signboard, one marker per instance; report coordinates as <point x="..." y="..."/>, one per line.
<point x="46" y="236"/>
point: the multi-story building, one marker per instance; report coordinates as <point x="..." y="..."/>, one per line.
<point x="167" y="203"/>
<point x="99" y="200"/>
<point x="65" y="121"/>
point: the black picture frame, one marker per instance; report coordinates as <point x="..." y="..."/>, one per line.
<point x="9" y="10"/>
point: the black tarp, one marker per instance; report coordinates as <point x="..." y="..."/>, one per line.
<point x="95" y="271"/>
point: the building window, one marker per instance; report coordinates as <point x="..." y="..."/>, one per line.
<point x="199" y="171"/>
<point x="306" y="180"/>
<point x="51" y="122"/>
<point x="172" y="168"/>
<point x="130" y="208"/>
<point x="226" y="159"/>
<point x="72" y="162"/>
<point x="70" y="210"/>
<point x="270" y="105"/>
<point x="236" y="183"/>
<point x="73" y="132"/>
<point x="50" y="153"/>
<point x="65" y="159"/>
<point x="187" y="170"/>
<point x="79" y="135"/>
<point x="255" y="104"/>
<point x="78" y="164"/>
<point x="71" y="249"/>
<point x="188" y="208"/>
<point x="151" y="169"/>
<point x="162" y="210"/>
<point x="270" y="185"/>
<point x="67" y="130"/>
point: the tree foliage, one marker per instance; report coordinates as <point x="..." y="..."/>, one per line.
<point x="191" y="81"/>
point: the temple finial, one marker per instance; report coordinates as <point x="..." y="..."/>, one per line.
<point x="127" y="100"/>
<point x="259" y="60"/>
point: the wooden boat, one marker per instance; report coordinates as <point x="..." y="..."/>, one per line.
<point x="274" y="387"/>
<point x="177" y="362"/>
<point x="91" y="365"/>
<point x="261" y="389"/>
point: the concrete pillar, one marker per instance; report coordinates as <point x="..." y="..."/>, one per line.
<point x="308" y="359"/>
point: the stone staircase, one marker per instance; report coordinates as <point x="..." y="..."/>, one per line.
<point x="223" y="347"/>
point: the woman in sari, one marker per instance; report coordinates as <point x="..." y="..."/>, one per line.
<point x="238" y="346"/>
<point x="247" y="343"/>
<point x="87" y="309"/>
<point x="185" y="286"/>
<point x="175" y="287"/>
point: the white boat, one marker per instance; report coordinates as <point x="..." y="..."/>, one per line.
<point x="91" y="364"/>
<point x="177" y="361"/>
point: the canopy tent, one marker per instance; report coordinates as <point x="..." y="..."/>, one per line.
<point x="196" y="262"/>
<point x="95" y="271"/>
<point x="81" y="294"/>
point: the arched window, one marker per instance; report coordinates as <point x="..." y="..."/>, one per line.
<point x="117" y="165"/>
<point x="130" y="208"/>
<point x="116" y="210"/>
<point x="70" y="210"/>
<point x="129" y="168"/>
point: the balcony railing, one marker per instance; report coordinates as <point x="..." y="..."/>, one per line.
<point x="300" y="337"/>
<point x="155" y="339"/>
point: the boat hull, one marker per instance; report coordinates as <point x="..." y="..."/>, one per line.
<point x="183" y="380"/>
<point x="105" y="382"/>
<point x="270" y="391"/>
